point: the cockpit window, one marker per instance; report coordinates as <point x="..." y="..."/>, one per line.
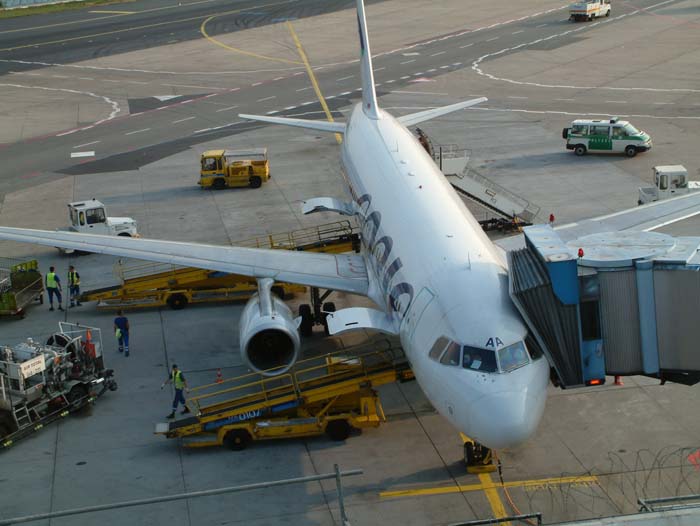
<point x="512" y="357"/>
<point x="438" y="347"/>
<point x="482" y="360"/>
<point x="451" y="356"/>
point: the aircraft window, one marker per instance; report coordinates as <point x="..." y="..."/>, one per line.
<point x="479" y="359"/>
<point x="438" y="347"/>
<point x="600" y="130"/>
<point x="579" y="129"/>
<point x="96" y="215"/>
<point x="512" y="357"/>
<point x="451" y="356"/>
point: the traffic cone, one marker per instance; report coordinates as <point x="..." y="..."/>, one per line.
<point x="618" y="380"/>
<point x="219" y="377"/>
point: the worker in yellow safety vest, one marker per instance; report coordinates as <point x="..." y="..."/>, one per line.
<point x="180" y="384"/>
<point x="53" y="287"/>
<point x="74" y="286"/>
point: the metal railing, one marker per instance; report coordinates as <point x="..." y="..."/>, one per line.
<point x="337" y="475"/>
<point x="521" y="518"/>
<point x="254" y="388"/>
<point x="680" y="502"/>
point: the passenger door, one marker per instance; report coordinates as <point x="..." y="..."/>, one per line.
<point x="599" y="138"/>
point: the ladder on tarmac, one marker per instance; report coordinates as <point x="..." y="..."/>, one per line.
<point x="332" y="393"/>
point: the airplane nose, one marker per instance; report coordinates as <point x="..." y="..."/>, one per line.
<point x="506" y="419"/>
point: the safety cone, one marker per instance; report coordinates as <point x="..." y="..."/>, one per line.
<point x="219" y="377"/>
<point x="618" y="380"/>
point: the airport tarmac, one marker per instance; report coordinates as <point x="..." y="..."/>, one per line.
<point x="597" y="449"/>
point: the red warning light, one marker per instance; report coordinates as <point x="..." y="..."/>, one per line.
<point x="580" y="252"/>
<point x="595" y="381"/>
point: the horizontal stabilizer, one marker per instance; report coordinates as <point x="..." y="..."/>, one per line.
<point x="325" y="126"/>
<point x="416" y="118"/>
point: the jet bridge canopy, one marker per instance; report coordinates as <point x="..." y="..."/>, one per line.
<point x="621" y="303"/>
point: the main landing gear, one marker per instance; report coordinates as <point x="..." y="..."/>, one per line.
<point x="315" y="313"/>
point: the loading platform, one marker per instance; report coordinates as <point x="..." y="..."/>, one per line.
<point x="156" y="285"/>
<point x="333" y="394"/>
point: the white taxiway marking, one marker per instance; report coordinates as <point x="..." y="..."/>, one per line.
<point x="597" y="115"/>
<point x="517" y="32"/>
<point x="137" y="131"/>
<point x="227" y="109"/>
<point x="408" y="61"/>
<point x="405" y="77"/>
<point x="278" y="78"/>
<point x="267" y="98"/>
<point x="389" y="81"/>
<point x="183" y="120"/>
<point x="86" y="144"/>
<point x="344" y="78"/>
<point x="345" y="93"/>
<point x="516" y="97"/>
<point x="290" y="108"/>
<point x="379" y="69"/>
<point x="419" y="92"/>
<point x="410" y="54"/>
<point x="566" y="100"/>
<point x="191" y="86"/>
<point x="304" y="89"/>
<point x="272" y="112"/>
<point x="541" y="25"/>
<point x="616" y="101"/>
<point x="466" y="45"/>
<point x="256" y="83"/>
<point x="438" y="53"/>
<point x="82" y="154"/>
<point x="431" y="70"/>
<point x="492" y="39"/>
<point x="663" y="103"/>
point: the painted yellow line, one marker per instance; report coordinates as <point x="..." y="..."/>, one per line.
<point x="526" y="484"/>
<point x="312" y="77"/>
<point x="491" y="491"/>
<point x="135" y="28"/>
<point x="202" y="29"/>
<point x="114" y="12"/>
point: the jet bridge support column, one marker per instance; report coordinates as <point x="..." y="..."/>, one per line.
<point x="647" y="316"/>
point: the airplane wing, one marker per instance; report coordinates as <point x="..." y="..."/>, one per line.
<point x="325" y="126"/>
<point x="426" y="115"/>
<point x="346" y="273"/>
<point x="642" y="218"/>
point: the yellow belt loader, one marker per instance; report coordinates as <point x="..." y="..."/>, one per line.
<point x="330" y="394"/>
<point x="157" y="285"/>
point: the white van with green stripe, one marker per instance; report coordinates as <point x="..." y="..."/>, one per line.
<point x="612" y="135"/>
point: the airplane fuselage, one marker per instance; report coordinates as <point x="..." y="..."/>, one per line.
<point x="436" y="273"/>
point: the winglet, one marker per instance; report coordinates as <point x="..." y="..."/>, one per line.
<point x="369" y="96"/>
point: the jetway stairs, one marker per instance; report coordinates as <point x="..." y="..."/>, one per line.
<point x="622" y="303"/>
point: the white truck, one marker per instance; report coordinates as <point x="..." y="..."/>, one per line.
<point x="89" y="217"/>
<point x="589" y="10"/>
<point x="669" y="181"/>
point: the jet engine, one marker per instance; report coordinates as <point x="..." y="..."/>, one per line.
<point x="268" y="333"/>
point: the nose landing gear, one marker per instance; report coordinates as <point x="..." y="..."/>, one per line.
<point x="477" y="457"/>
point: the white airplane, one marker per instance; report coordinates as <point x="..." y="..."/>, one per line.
<point x="438" y="281"/>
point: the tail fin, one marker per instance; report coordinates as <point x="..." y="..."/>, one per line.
<point x="369" y="96"/>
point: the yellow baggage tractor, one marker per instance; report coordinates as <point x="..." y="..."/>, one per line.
<point x="234" y="168"/>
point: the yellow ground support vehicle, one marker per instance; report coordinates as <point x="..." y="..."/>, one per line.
<point x="157" y="284"/>
<point x="331" y="394"/>
<point x="234" y="168"/>
<point x="20" y="284"/>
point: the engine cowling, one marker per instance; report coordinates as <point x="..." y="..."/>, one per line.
<point x="269" y="336"/>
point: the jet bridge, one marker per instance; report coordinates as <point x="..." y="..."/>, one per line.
<point x="620" y="303"/>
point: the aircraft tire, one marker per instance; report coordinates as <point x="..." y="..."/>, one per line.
<point x="307" y="321"/>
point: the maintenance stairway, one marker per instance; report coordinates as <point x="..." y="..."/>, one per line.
<point x="160" y="284"/>
<point x="332" y="394"/>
